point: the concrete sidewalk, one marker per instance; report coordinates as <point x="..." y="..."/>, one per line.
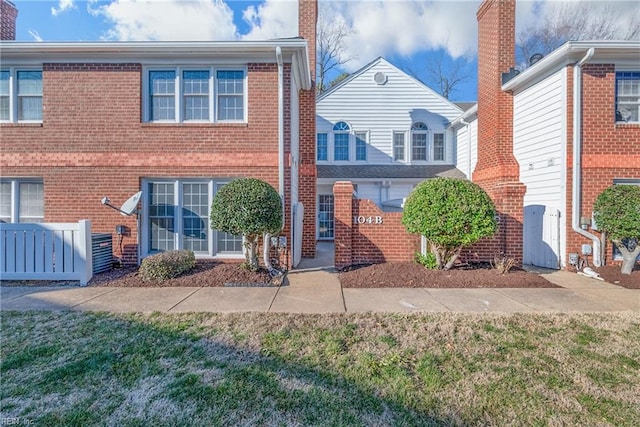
<point x="317" y="290"/>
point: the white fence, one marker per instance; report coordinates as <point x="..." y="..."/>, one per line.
<point x="46" y="252"/>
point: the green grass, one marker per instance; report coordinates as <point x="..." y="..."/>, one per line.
<point x="84" y="369"/>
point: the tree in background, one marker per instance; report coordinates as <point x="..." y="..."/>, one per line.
<point x="446" y="74"/>
<point x="451" y="214"/>
<point x="574" y="21"/>
<point x="330" y="38"/>
<point x="249" y="207"/>
<point x="617" y="213"/>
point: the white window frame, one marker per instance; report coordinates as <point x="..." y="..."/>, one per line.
<point x="350" y="142"/>
<point x="634" y="105"/>
<point x="15" y="197"/>
<point x="326" y="135"/>
<point x="179" y="94"/>
<point x="444" y="147"/>
<point x="404" y="146"/>
<point x="364" y="136"/>
<point x="13" y="93"/>
<point x="426" y="132"/>
<point x="213" y="185"/>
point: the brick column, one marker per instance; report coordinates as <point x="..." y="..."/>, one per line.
<point x="497" y="170"/>
<point x="343" y="223"/>
<point x="8" y="16"/>
<point x="307" y="19"/>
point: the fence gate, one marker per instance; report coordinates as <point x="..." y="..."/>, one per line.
<point x="46" y="251"/>
<point x="541" y="236"/>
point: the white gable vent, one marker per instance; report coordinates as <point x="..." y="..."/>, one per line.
<point x="380" y="78"/>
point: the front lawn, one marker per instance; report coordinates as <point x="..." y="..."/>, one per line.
<point x="82" y="369"/>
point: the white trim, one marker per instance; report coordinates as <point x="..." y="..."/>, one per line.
<point x="13" y="92"/>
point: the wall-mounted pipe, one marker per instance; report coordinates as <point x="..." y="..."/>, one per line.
<point x="576" y="186"/>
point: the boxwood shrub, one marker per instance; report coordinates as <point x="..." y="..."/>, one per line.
<point x="166" y="265"/>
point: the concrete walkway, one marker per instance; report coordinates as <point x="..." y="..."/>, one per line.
<point x="314" y="288"/>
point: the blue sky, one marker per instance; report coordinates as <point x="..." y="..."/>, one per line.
<point x="408" y="33"/>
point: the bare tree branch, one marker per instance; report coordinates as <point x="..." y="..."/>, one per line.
<point x="574" y="21"/>
<point x="446" y="74"/>
<point x="330" y="48"/>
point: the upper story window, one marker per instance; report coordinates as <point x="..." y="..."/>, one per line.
<point x="438" y="147"/>
<point x="322" y="147"/>
<point x="341" y="141"/>
<point x="628" y="96"/>
<point x="20" y="95"/>
<point x="21" y="200"/>
<point x="419" y="136"/>
<point x="196" y="94"/>
<point x="398" y="146"/>
<point x="361" y="146"/>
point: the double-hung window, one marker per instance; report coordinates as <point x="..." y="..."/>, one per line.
<point x="21" y="200"/>
<point x="20" y="95"/>
<point x="341" y="141"/>
<point x="419" y="137"/>
<point x="628" y="96"/>
<point x="322" y="147"/>
<point x="196" y="94"/>
<point x="438" y="147"/>
<point x="398" y="146"/>
<point x="361" y="146"/>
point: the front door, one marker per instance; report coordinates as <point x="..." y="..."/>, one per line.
<point x="325" y="216"/>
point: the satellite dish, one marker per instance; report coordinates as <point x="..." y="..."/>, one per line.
<point x="131" y="205"/>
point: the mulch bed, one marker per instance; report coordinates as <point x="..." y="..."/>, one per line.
<point x="612" y="274"/>
<point x="411" y="275"/>
<point x="206" y="273"/>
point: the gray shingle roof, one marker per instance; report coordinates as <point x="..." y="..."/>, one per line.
<point x="387" y="171"/>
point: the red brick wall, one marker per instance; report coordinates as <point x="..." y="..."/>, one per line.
<point x="92" y="142"/>
<point x="307" y="18"/>
<point x="8" y="15"/>
<point x="497" y="169"/>
<point x="609" y="150"/>
<point x="364" y="234"/>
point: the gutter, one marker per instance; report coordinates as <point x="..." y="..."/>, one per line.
<point x="280" y="125"/>
<point x="576" y="190"/>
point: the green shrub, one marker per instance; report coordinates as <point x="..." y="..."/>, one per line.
<point x="428" y="261"/>
<point x="451" y="214"/>
<point x="249" y="207"/>
<point x="166" y="265"/>
<point x="617" y="212"/>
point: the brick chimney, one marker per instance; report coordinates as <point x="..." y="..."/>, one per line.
<point x="307" y="20"/>
<point x="497" y="170"/>
<point x="8" y="15"/>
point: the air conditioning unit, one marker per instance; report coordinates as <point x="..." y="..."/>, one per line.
<point x="101" y="252"/>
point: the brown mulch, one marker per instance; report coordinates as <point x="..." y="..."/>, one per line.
<point x="206" y="273"/>
<point x="612" y="274"/>
<point x="411" y="275"/>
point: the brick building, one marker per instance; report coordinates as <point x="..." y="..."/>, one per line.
<point x="550" y="139"/>
<point x="175" y="120"/>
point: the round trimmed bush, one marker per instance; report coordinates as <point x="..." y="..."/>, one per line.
<point x="451" y="214"/>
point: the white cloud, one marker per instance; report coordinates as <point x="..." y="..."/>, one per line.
<point x="405" y="27"/>
<point x="168" y="20"/>
<point x="272" y="19"/>
<point x="63" y="6"/>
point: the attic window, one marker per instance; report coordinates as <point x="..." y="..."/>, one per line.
<point x="380" y="78"/>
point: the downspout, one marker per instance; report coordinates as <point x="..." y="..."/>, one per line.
<point x="577" y="157"/>
<point x="267" y="237"/>
<point x="468" y="126"/>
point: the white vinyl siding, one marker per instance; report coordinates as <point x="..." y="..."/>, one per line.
<point x="467" y="147"/>
<point x="539" y="123"/>
<point x="384" y="109"/>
